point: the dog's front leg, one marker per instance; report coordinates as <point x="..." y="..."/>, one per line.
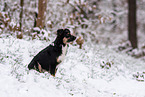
<point x="52" y="70"/>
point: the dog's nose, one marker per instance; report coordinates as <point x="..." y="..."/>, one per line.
<point x="74" y="37"/>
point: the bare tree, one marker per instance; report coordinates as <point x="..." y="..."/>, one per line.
<point x="132" y="28"/>
<point x="19" y="28"/>
<point x="41" y="13"/>
<point x="21" y="13"/>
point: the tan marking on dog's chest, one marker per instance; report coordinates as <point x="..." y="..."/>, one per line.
<point x="62" y="56"/>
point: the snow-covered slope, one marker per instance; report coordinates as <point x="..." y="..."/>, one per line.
<point x="95" y="71"/>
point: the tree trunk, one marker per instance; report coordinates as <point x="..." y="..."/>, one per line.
<point x="41" y="13"/>
<point x="19" y="28"/>
<point x="21" y="13"/>
<point x="132" y="36"/>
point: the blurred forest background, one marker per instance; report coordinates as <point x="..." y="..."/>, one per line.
<point x="109" y="22"/>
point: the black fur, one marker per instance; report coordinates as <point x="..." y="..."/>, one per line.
<point x="47" y="59"/>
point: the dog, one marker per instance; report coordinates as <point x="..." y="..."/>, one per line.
<point x="50" y="57"/>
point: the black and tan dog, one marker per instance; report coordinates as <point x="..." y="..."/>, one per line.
<point x="49" y="58"/>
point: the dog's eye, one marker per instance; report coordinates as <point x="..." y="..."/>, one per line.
<point x="67" y="35"/>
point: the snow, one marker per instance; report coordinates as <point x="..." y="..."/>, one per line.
<point x="95" y="71"/>
<point x="80" y="75"/>
<point x="36" y="28"/>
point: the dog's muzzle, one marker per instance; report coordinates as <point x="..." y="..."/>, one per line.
<point x="72" y="38"/>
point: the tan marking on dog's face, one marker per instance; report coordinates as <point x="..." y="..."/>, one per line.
<point x="65" y="40"/>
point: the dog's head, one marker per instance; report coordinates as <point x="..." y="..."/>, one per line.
<point x="65" y="35"/>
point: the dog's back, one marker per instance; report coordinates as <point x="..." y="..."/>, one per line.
<point x="33" y="64"/>
<point x="47" y="58"/>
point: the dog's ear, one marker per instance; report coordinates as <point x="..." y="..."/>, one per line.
<point x="59" y="31"/>
<point x="66" y="30"/>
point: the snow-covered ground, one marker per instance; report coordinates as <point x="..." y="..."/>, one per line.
<point x="94" y="71"/>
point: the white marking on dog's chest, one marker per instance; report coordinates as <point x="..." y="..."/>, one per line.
<point x="62" y="56"/>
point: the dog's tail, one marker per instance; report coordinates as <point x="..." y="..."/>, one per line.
<point x="32" y="65"/>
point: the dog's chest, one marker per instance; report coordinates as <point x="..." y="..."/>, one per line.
<point x="62" y="56"/>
